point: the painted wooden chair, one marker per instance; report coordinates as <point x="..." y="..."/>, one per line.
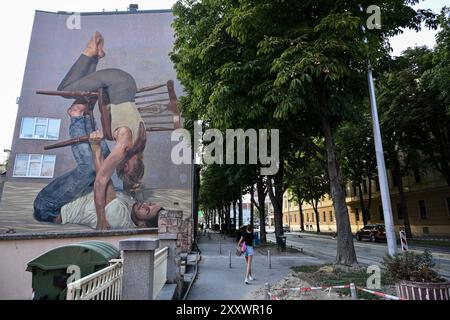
<point x="157" y="104"/>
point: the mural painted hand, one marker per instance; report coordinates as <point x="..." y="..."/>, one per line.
<point x="95" y="137"/>
<point x="102" y="224"/>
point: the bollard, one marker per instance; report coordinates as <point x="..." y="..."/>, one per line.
<point x="270" y="259"/>
<point x="220" y="247"/>
<point x="267" y="289"/>
<point x="353" y="291"/>
<point x="229" y="255"/>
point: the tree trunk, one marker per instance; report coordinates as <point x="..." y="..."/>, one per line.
<point x="252" y="206"/>
<point x="302" y="219"/>
<point x="369" y="200"/>
<point x="402" y="197"/>
<point x="300" y="204"/>
<point x="234" y="213"/>
<point x="316" y="211"/>
<point x="261" y="206"/>
<point x="362" y="204"/>
<point x="442" y="136"/>
<point x="228" y="217"/>
<point x="276" y="197"/>
<point x="346" y="254"/>
<point x="241" y="212"/>
<point x="195" y="204"/>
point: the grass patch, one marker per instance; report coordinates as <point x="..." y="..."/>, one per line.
<point x="436" y="243"/>
<point x="323" y="233"/>
<point x="307" y="269"/>
<point x="331" y="275"/>
<point x="263" y="247"/>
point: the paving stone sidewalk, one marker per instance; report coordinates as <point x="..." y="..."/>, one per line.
<point x="216" y="281"/>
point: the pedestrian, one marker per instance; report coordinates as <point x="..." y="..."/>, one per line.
<point x="247" y="240"/>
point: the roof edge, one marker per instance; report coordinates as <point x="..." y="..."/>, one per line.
<point x="105" y="12"/>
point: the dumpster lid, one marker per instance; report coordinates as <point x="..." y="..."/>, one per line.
<point x="64" y="256"/>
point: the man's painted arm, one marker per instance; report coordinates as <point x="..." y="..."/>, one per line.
<point x="102" y="180"/>
<point x="95" y="140"/>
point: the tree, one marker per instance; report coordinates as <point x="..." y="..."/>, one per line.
<point x="401" y="121"/>
<point x="308" y="182"/>
<point x="433" y="104"/>
<point x="262" y="63"/>
<point x="356" y="152"/>
<point x="261" y="189"/>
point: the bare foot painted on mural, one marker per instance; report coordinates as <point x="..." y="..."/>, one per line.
<point x="77" y="109"/>
<point x="100" y="44"/>
<point x="92" y="46"/>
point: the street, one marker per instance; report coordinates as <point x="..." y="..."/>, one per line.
<point x="368" y="253"/>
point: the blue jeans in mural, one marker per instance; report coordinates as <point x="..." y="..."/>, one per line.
<point x="64" y="189"/>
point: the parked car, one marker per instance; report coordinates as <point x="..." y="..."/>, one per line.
<point x="372" y="232"/>
<point x="286" y="228"/>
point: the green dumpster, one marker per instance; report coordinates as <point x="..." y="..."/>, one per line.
<point x="52" y="270"/>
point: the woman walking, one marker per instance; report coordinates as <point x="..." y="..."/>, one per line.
<point x="247" y="240"/>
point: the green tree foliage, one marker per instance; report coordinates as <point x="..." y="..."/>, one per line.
<point x="298" y="66"/>
<point x="433" y="100"/>
<point x="356" y="152"/>
<point x="414" y="112"/>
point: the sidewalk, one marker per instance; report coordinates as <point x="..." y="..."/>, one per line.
<point x="216" y="281"/>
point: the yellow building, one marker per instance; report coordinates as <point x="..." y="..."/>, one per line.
<point x="428" y="203"/>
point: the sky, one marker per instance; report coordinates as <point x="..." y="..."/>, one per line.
<point x="16" y="20"/>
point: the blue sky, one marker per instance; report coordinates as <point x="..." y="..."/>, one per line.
<point x="16" y="19"/>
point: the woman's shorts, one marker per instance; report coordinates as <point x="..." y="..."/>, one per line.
<point x="249" y="251"/>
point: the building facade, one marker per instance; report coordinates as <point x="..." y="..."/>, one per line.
<point x="427" y="198"/>
<point x="138" y="42"/>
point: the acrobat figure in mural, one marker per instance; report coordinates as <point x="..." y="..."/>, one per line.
<point x="70" y="198"/>
<point x="126" y="121"/>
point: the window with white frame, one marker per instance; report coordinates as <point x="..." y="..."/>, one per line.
<point x="34" y="165"/>
<point x="40" y="128"/>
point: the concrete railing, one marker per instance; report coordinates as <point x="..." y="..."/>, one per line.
<point x="140" y="266"/>
<point x="140" y="275"/>
<point x="105" y="284"/>
<point x="160" y="274"/>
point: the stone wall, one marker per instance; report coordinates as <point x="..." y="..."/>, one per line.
<point x="172" y="222"/>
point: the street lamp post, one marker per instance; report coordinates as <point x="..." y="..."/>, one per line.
<point x="382" y="176"/>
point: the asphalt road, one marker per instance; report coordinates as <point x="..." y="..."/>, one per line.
<point x="368" y="253"/>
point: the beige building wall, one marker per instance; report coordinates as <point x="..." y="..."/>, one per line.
<point x="15" y="281"/>
<point x="428" y="203"/>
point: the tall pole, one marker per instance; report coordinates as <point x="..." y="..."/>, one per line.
<point x="382" y="176"/>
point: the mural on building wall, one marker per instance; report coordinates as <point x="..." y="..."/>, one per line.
<point x="86" y="194"/>
<point x="92" y="142"/>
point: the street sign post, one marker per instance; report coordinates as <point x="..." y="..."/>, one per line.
<point x="403" y="241"/>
